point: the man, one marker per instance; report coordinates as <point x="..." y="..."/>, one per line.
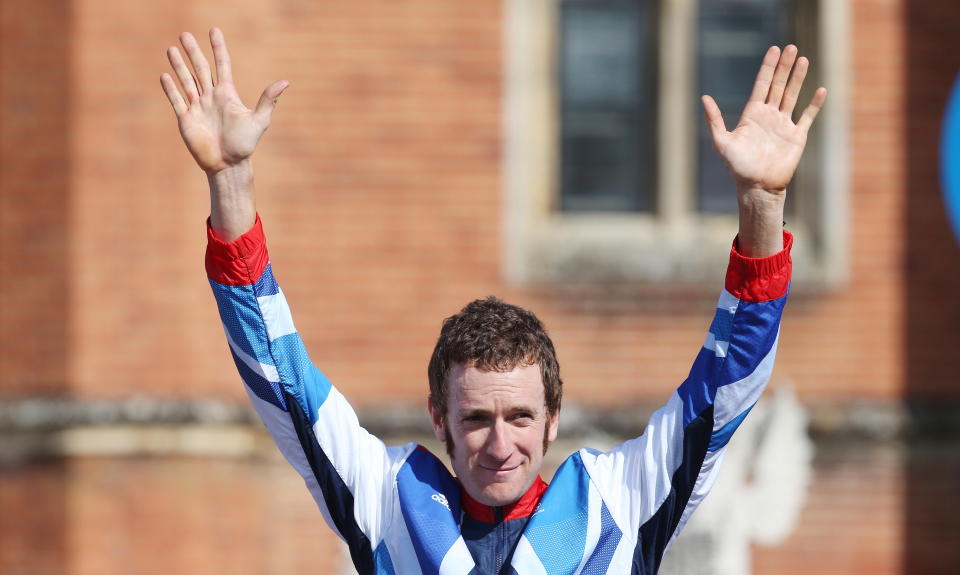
<point x="495" y="387"/>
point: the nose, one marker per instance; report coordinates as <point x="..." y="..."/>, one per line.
<point x="499" y="446"/>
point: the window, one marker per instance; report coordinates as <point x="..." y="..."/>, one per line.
<point x="606" y="68"/>
<point x="609" y="172"/>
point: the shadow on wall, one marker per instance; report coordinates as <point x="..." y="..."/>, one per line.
<point x="758" y="495"/>
<point x="932" y="273"/>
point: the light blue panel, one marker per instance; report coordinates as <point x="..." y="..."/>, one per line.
<point x="558" y="529"/>
<point x="721" y="436"/>
<point x="382" y="564"/>
<point x="300" y="378"/>
<point x="950" y="158"/>
<point x="240" y="313"/>
<point x="607" y="544"/>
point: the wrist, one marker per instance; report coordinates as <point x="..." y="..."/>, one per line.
<point x="232" y="206"/>
<point x="761" y="222"/>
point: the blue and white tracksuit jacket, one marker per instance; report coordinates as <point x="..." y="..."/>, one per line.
<point x="400" y="510"/>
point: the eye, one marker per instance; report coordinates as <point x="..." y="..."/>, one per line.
<point x="522" y="417"/>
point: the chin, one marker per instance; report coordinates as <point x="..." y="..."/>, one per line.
<point x="498" y="498"/>
<point x="499" y="494"/>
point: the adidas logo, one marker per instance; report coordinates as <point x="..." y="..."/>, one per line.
<point x="441" y="499"/>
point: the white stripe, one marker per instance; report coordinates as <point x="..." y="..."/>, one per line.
<point x="594" y="503"/>
<point x="268" y="372"/>
<point x="728" y="301"/>
<point x="732" y="399"/>
<point x="635" y="477"/>
<point x="716" y="346"/>
<point x="399" y="543"/>
<point x="276" y="315"/>
<point x="279" y="425"/>
<point x="458" y="560"/>
<point x="525" y="559"/>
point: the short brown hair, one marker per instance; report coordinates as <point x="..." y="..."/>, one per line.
<point x="493" y="335"/>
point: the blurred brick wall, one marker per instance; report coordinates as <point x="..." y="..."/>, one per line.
<point x="35" y="172"/>
<point x="380" y="188"/>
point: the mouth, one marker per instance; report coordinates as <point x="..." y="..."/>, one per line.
<point x="500" y="469"/>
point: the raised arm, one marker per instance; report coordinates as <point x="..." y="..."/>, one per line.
<point x="763" y="151"/>
<point x="218" y="130"/>
<point x="349" y="472"/>
<point x="652" y="484"/>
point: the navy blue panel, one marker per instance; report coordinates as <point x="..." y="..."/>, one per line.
<point x="336" y="494"/>
<point x="751" y="337"/>
<point x="654" y="535"/>
<point x="268" y="391"/>
<point x="492" y="544"/>
<point x="266" y="285"/>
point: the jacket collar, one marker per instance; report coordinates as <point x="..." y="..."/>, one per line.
<point x="523" y="507"/>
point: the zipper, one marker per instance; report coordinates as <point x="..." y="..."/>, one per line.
<point x="498" y="519"/>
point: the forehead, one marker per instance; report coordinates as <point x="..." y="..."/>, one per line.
<point x="473" y="387"/>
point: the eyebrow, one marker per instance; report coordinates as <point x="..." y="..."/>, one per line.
<point x="480" y="411"/>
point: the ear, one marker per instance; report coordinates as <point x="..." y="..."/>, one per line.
<point x="436" y="418"/>
<point x="552" y="426"/>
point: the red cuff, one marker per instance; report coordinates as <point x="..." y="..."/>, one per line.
<point x="240" y="262"/>
<point x="760" y="279"/>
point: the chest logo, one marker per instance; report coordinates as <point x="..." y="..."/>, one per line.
<point x="441" y="499"/>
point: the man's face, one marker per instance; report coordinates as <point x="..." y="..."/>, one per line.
<point x="499" y="428"/>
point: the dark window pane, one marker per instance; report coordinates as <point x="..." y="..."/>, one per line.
<point x="607" y="73"/>
<point x="733" y="36"/>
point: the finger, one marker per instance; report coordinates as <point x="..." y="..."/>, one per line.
<point x="794" y="85"/>
<point x="170" y="89"/>
<point x="268" y="100"/>
<point x="810" y="113"/>
<point x="718" y="130"/>
<point x="220" y="56"/>
<point x="780" y="76"/>
<point x="187" y="81"/>
<point x="761" y="86"/>
<point x="199" y="62"/>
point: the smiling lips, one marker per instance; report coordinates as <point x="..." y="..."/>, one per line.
<point x="500" y="469"/>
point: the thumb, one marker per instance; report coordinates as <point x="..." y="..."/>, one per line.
<point x="718" y="130"/>
<point x="268" y="99"/>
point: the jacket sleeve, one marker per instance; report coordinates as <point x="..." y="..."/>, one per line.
<point x="654" y="482"/>
<point x="348" y="471"/>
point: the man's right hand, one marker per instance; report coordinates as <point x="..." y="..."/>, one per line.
<point x="219" y="131"/>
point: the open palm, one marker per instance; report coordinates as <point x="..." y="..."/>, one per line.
<point x="217" y="128"/>
<point x="763" y="151"/>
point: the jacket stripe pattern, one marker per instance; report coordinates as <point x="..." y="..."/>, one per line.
<point x="398" y="508"/>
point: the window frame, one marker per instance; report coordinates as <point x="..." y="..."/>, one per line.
<point x="675" y="243"/>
